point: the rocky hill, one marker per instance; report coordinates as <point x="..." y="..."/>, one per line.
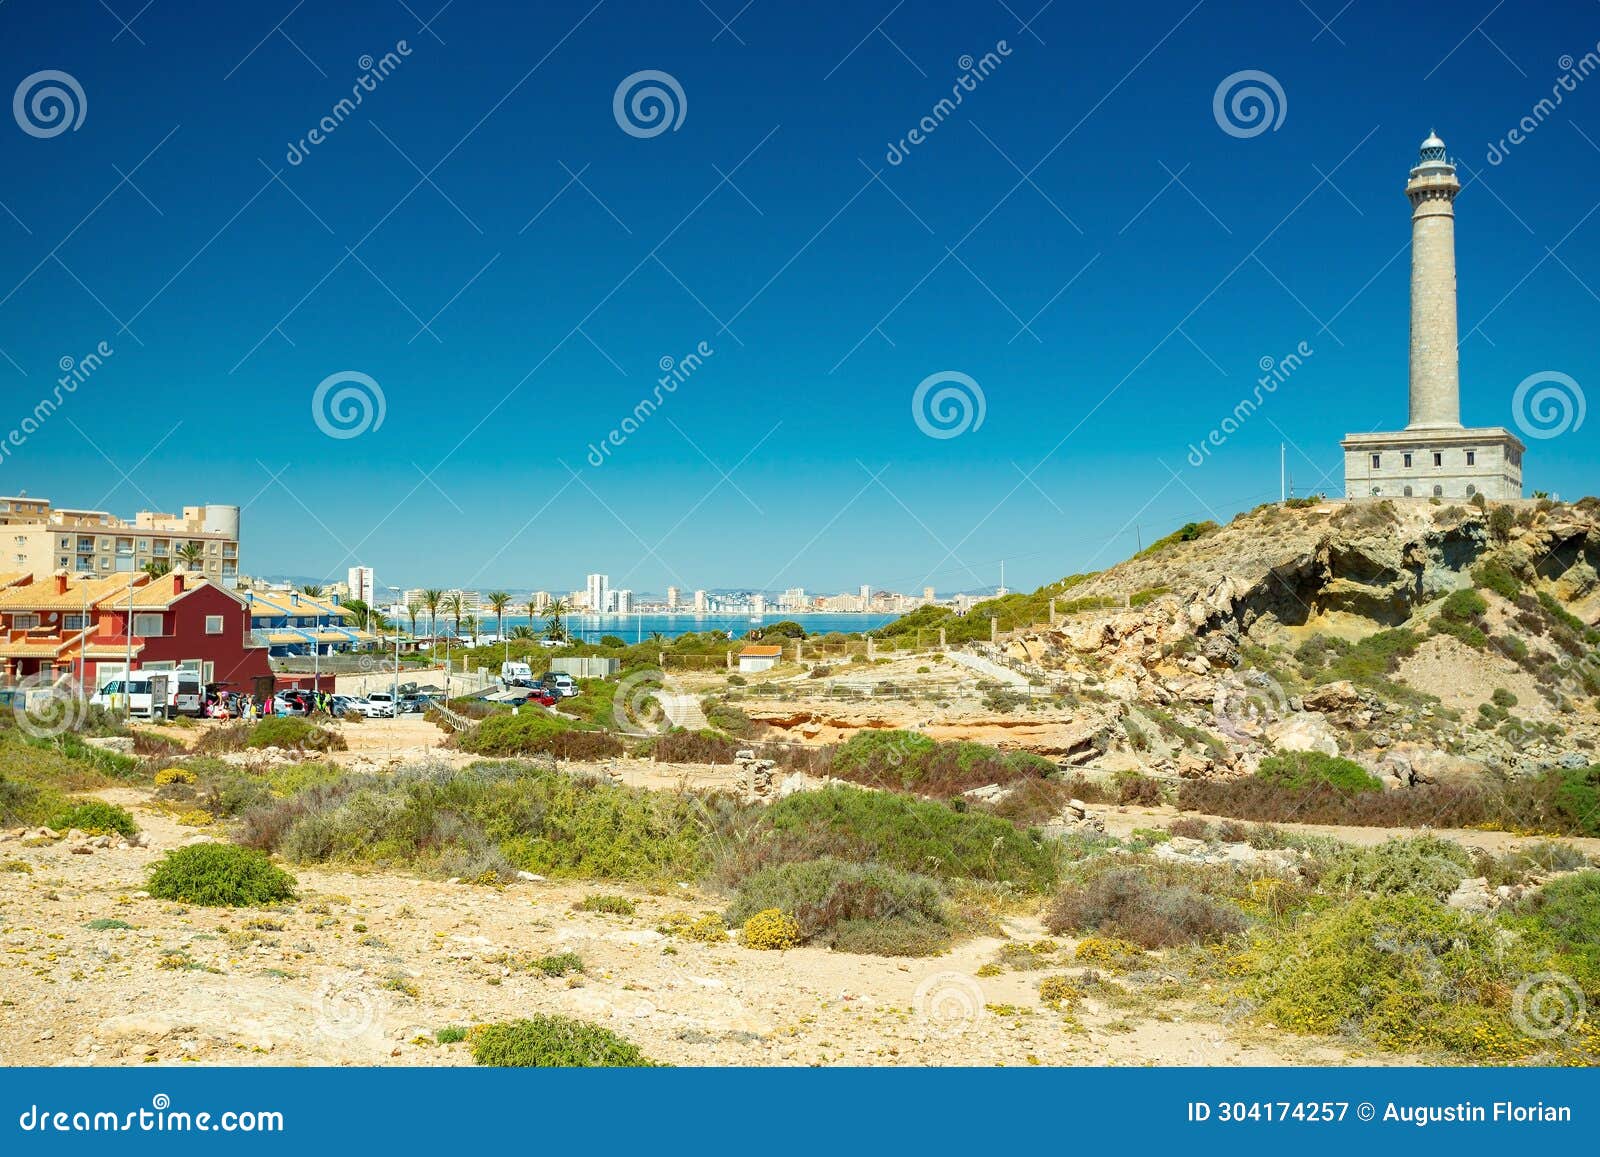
<point x="1422" y="639"/>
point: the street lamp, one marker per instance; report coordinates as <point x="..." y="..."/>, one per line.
<point x="396" y="659"/>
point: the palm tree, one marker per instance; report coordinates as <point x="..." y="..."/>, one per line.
<point x="358" y="608"/>
<point x="498" y="602"/>
<point x="522" y="632"/>
<point x="414" y="608"/>
<point x="432" y="598"/>
<point x="191" y="554"/>
<point x="157" y="568"/>
<point x="455" y="606"/>
<point x="472" y="629"/>
<point x="554" y="628"/>
<point x="315" y="590"/>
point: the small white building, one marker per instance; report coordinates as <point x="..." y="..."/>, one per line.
<point x="758" y="657"/>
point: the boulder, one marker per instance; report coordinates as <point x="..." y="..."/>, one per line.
<point x="1303" y="732"/>
<point x="1472" y="896"/>
<point x="1337" y="696"/>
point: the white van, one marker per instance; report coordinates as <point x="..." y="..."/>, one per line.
<point x="135" y="694"/>
<point x="156" y="693"/>
<point x="515" y="674"/>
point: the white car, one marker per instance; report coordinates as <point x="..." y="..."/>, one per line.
<point x="378" y="705"/>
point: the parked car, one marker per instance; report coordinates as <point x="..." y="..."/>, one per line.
<point x="291" y="702"/>
<point x="339" y="705"/>
<point x="382" y="705"/>
<point x="563" y="684"/>
<point x="541" y="695"/>
<point x="413" y="704"/>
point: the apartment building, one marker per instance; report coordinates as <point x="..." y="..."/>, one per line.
<point x="43" y="539"/>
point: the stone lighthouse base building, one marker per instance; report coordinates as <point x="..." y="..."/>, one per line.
<point x="1435" y="456"/>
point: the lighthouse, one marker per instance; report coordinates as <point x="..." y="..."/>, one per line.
<point x="1435" y="456"/>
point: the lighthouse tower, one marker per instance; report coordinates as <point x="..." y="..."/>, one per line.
<point x="1435" y="359"/>
<point x="1435" y="456"/>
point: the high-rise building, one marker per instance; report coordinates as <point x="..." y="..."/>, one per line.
<point x="927" y="595"/>
<point x="597" y="589"/>
<point x="700" y="602"/>
<point x="541" y="602"/>
<point x="362" y="584"/>
<point x="672" y="598"/>
<point x="622" y="601"/>
<point x="41" y="540"/>
<point x="794" y="599"/>
<point x="1435" y="456"/>
<point x="758" y="604"/>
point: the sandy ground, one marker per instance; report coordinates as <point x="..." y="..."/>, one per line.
<point x="364" y="966"/>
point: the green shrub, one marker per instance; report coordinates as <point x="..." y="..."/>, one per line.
<point x="1188" y="532"/>
<point x="1578" y="797"/>
<point x="1567" y="911"/>
<point x="491" y="817"/>
<point x="851" y="907"/>
<point x="1405" y="971"/>
<point x="553" y="1042"/>
<point x="911" y="761"/>
<point x="96" y="817"/>
<point x="908" y="834"/>
<point x="1418" y="866"/>
<point x="1463" y="606"/>
<point x="1503" y="698"/>
<point x="219" y="875"/>
<point x="1303" y="769"/>
<point x="450" y="1034"/>
<point x="611" y="905"/>
<point x="295" y="733"/>
<point x="1494" y="575"/>
<point x="537" y="733"/>
<point x="1130" y="905"/>
<point x="559" y="964"/>
<point x="1368" y="662"/>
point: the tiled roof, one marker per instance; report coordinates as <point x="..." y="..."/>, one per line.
<point x="159" y="593"/>
<point x="277" y="603"/>
<point x="41" y="594"/>
<point x="757" y="651"/>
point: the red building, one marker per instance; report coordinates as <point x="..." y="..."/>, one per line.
<point x="169" y="623"/>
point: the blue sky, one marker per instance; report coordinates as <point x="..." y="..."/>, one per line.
<point x="1080" y="237"/>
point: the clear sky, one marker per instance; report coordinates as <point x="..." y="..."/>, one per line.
<point x="1081" y="236"/>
